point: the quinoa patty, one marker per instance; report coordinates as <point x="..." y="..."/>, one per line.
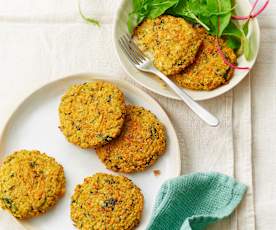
<point x="105" y="201"/>
<point x="92" y="114"/>
<point x="142" y="141"/>
<point x="172" y="41"/>
<point x="209" y="70"/>
<point x="30" y="183"/>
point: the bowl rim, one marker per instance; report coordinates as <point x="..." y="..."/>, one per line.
<point x="213" y="94"/>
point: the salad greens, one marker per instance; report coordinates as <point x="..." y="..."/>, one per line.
<point x="148" y="9"/>
<point x="213" y="15"/>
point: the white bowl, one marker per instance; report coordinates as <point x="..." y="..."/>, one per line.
<point x="155" y="85"/>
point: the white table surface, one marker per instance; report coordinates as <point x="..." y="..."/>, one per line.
<point x="264" y="123"/>
<point x="20" y="75"/>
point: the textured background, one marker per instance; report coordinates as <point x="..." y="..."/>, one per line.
<point x="44" y="40"/>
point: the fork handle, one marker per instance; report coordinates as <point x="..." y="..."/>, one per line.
<point x="194" y="106"/>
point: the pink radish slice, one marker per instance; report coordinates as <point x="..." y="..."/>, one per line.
<point x="226" y="61"/>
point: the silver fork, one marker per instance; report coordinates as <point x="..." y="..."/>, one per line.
<point x="141" y="62"/>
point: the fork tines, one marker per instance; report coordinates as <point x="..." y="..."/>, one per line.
<point x="132" y="51"/>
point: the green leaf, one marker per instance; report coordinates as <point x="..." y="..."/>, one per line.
<point x="221" y="13"/>
<point x="137" y="4"/>
<point x="140" y="12"/>
<point x="224" y="22"/>
<point x="237" y="39"/>
<point x="147" y="9"/>
<point x="198" y="7"/>
<point x="191" y="10"/>
<point x="192" y="15"/>
<point x="159" y="7"/>
<point x="245" y="27"/>
<point x="232" y="30"/>
<point x="246" y="48"/>
<point x="131" y="22"/>
<point x="213" y="15"/>
<point x="246" y="44"/>
<point x="220" y="22"/>
<point x="87" y="19"/>
<point x="233" y="42"/>
<point x="179" y="9"/>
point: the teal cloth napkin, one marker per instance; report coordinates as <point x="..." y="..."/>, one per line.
<point x="194" y="201"/>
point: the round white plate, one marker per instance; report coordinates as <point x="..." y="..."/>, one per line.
<point x="34" y="125"/>
<point x="154" y="84"/>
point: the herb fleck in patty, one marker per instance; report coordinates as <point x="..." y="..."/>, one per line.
<point x="30" y="183"/>
<point x="105" y="201"/>
<point x="141" y="143"/>
<point x="92" y="114"/>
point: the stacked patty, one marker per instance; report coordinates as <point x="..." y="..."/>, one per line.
<point x="141" y="143"/>
<point x="30" y="183"/>
<point x="209" y="70"/>
<point x="127" y="138"/>
<point x="185" y="53"/>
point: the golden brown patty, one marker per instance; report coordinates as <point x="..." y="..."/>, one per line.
<point x="172" y="41"/>
<point x="30" y="183"/>
<point x="140" y="144"/>
<point x="209" y="70"/>
<point x="92" y="114"/>
<point x="105" y="201"/>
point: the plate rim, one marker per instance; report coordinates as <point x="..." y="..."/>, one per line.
<point x="175" y="97"/>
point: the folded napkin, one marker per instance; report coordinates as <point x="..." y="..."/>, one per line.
<point x="194" y="201"/>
